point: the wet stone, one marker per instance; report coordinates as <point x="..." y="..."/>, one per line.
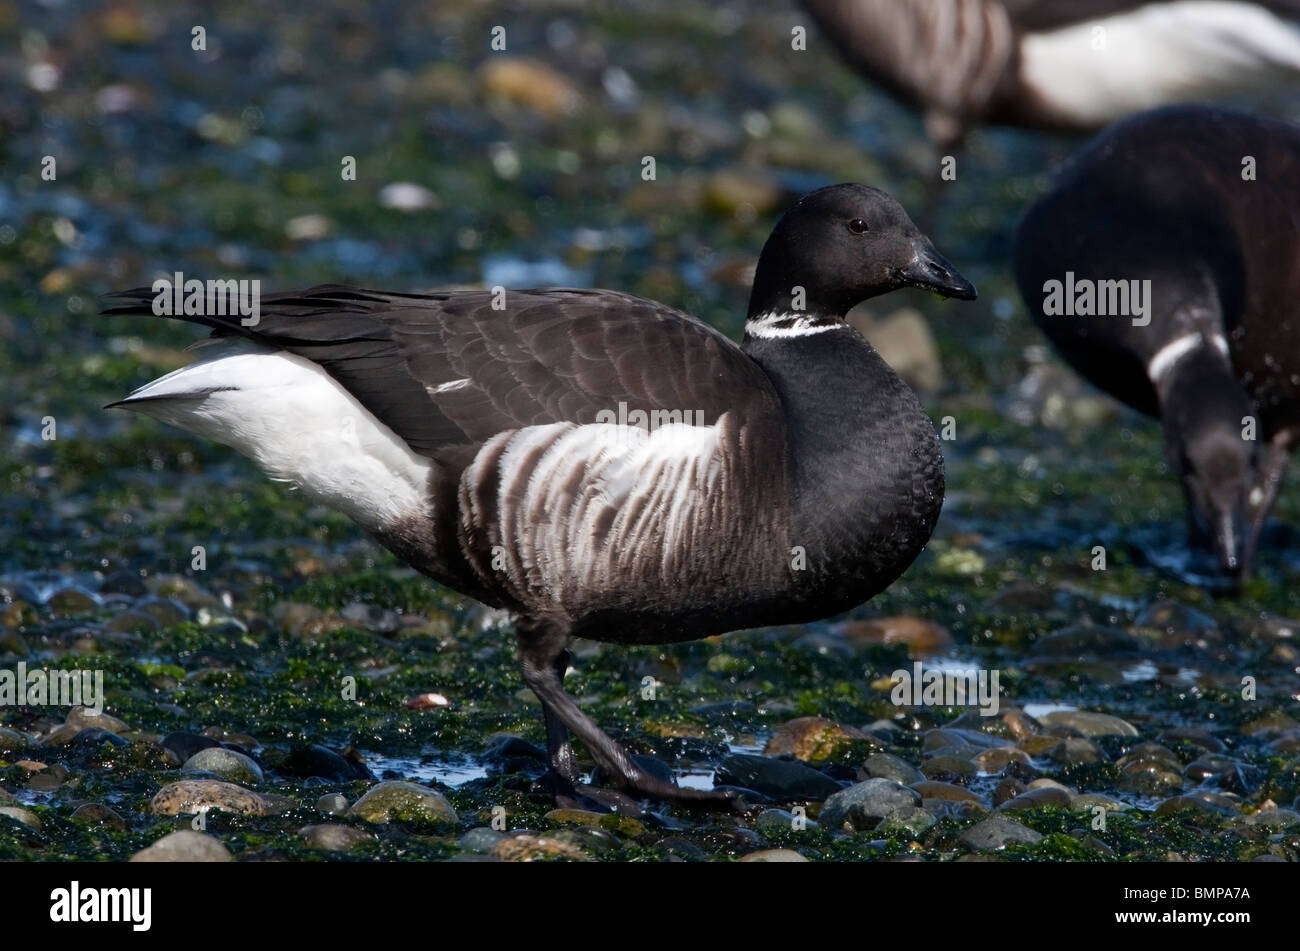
<point x="334" y="804"/>
<point x="181" y="746"/>
<point x="781" y="780"/>
<point x="996" y="760"/>
<point x="189" y="796"/>
<point x="921" y="637"/>
<point x="1090" y="724"/>
<point x="72" y="601"/>
<point x="82" y="718"/>
<point x="1224" y="772"/>
<point x="996" y="832"/>
<point x="333" y="837"/>
<point x="1171" y="617"/>
<point x="1195" y="803"/>
<point x="1150" y="752"/>
<point x="948" y="792"/>
<point x="19" y="814"/>
<point x="96" y="813"/>
<point x="812" y="739"/>
<point x="403" y="801"/>
<point x="949" y="769"/>
<point x="184" y="845"/>
<point x="1037" y="799"/>
<point x="782" y="820"/>
<point x="1076" y="749"/>
<point x="1007" y="790"/>
<point x="911" y="820"/>
<point x="774" y="855"/>
<point x="861" y="805"/>
<point x="320" y="761"/>
<point x="1086" y="640"/>
<point x="235" y="767"/>
<point x="1149" y="778"/>
<point x="480" y="839"/>
<point x="889" y="766"/>
<point x="11" y="741"/>
<point x="534" y="848"/>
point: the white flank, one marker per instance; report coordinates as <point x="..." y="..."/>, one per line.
<point x="770" y="326"/>
<point x="1178" y="348"/>
<point x="1100" y="70"/>
<point x="295" y="421"/>
<point x="649" y="485"/>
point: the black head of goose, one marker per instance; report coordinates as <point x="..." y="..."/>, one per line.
<point x="600" y="465"/>
<point x="1165" y="266"/>
<point x="1069" y="64"/>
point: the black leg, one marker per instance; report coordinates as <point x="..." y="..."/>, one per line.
<point x="557" y="734"/>
<point x="539" y="647"/>
<point x="1264" y="495"/>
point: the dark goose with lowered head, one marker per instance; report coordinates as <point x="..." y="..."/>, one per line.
<point x="1204" y="204"/>
<point x="495" y="448"/>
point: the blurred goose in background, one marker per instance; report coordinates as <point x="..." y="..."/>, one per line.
<point x="1201" y="206"/>
<point x="1060" y="64"/>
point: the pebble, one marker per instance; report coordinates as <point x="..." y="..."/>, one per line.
<point x="529" y="83"/>
<point x="996" y="760"/>
<point x="910" y="819"/>
<point x="404" y="801"/>
<point x="1090" y="724"/>
<point x="408" y="197"/>
<point x="82" y="718"/>
<point x="1170" y="617"/>
<point x="235" y="767"/>
<point x="182" y="745"/>
<point x="779" y="820"/>
<point x="1037" y="799"/>
<point x="185" y="845"/>
<point x="533" y="848"/>
<point x="1076" y="749"/>
<point x="811" y="739"/>
<point x="11" y="741"/>
<point x="779" y="779"/>
<point x="774" y="855"/>
<point x="949" y="769"/>
<point x="25" y="816"/>
<point x="889" y="766"/>
<point x="862" y="804"/>
<point x="317" y="760"/>
<point x="948" y="792"/>
<point x="997" y="832"/>
<point x="480" y="839"/>
<point x="333" y="837"/>
<point x="923" y="638"/>
<point x="334" y="804"/>
<point x="188" y="796"/>
<point x="98" y="814"/>
<point x="1086" y="640"/>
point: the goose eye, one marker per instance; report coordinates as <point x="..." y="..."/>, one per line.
<point x="858" y="226"/>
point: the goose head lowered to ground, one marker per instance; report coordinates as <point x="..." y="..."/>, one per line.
<point x="480" y="447"/>
<point x="1201" y="207"/>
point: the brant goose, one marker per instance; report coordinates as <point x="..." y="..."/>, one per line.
<point x="1066" y="64"/>
<point x="602" y="466"/>
<point x="1174" y="242"/>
